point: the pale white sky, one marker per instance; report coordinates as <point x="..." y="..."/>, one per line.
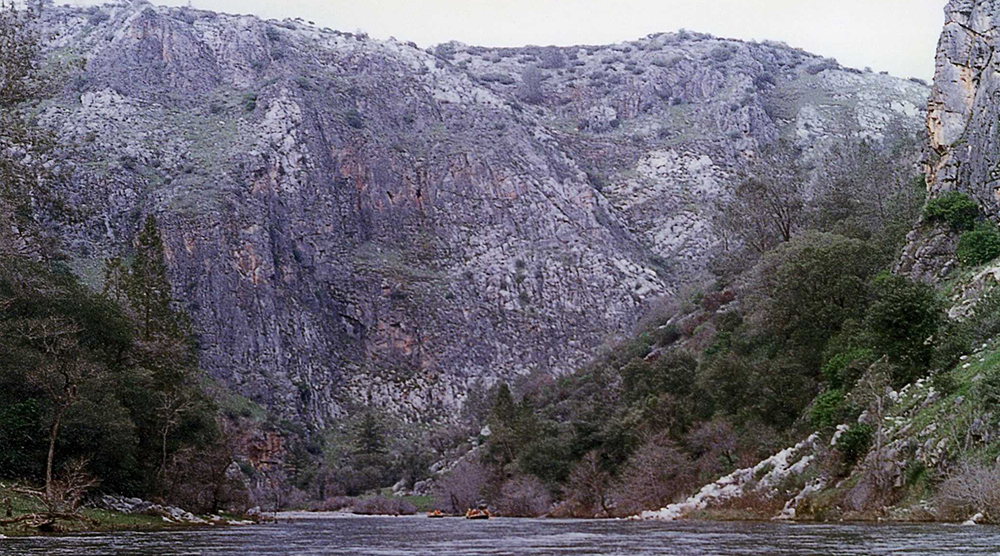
<point x="894" y="35"/>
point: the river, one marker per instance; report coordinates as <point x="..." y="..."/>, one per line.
<point x="386" y="536"/>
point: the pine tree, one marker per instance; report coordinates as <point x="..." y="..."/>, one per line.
<point x="502" y="446"/>
<point x="148" y="288"/>
<point x="370" y="436"/>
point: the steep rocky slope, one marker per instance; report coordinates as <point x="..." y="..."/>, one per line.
<point x="349" y="220"/>
<point x="962" y="126"/>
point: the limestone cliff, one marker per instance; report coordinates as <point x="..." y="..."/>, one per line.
<point x="962" y="125"/>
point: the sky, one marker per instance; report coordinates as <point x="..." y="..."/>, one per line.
<point x="898" y="36"/>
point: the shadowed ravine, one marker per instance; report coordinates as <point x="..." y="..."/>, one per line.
<point x="419" y="536"/>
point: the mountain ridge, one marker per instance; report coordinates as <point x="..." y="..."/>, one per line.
<point x="356" y="221"/>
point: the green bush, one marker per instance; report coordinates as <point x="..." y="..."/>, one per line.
<point x="827" y="410"/>
<point x="854" y="442"/>
<point x="979" y="246"/>
<point x="945" y="383"/>
<point x="843" y="369"/>
<point x="956" y="209"/>
<point x="988" y="388"/>
<point x="898" y="324"/>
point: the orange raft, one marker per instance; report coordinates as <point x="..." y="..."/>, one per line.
<point x="435" y="513"/>
<point x="477" y="514"/>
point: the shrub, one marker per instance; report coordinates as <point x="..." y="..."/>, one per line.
<point x="823" y="65"/>
<point x="531" y="86"/>
<point x="854" y="442"/>
<point x="523" y="497"/>
<point x="979" y="246"/>
<point x="986" y="318"/>
<point x="945" y="383"/>
<point x="445" y="51"/>
<point x="952" y="342"/>
<point x="971" y="488"/>
<point x="97" y="17"/>
<point x="353" y="118"/>
<point x="501" y="78"/>
<point x="827" y="410"/>
<point x="955" y="209"/>
<point x="845" y="368"/>
<point x="552" y="57"/>
<point x="899" y="323"/>
<point x="381" y="505"/>
<point x="987" y="389"/>
<point x="720" y="54"/>
<point x="250" y="102"/>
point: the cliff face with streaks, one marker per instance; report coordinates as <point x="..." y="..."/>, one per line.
<point x="963" y="124"/>
<point x="356" y="221"/>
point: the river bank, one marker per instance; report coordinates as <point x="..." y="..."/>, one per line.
<point x="117" y="514"/>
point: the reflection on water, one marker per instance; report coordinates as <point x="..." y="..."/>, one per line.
<point x="378" y="536"/>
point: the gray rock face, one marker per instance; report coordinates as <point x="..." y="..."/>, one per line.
<point x="963" y="123"/>
<point x="349" y="220"/>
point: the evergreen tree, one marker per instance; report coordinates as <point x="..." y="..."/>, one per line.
<point x="370" y="436"/>
<point x="148" y="288"/>
<point x="502" y="447"/>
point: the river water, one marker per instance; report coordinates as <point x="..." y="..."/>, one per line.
<point x="386" y="536"/>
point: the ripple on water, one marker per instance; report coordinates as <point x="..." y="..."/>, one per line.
<point x="500" y="537"/>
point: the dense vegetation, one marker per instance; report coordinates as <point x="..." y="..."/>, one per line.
<point x="99" y="391"/>
<point x="102" y="385"/>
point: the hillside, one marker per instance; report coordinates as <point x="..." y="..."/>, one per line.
<point x="350" y="221"/>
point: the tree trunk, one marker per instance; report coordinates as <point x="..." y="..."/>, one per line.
<point x="53" y="434"/>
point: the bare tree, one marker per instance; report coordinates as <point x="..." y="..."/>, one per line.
<point x="462" y="488"/>
<point x="523" y="496"/>
<point x="714" y="445"/>
<point x="970" y="489"/>
<point x="171" y="408"/>
<point x="766" y="206"/>
<point x="655" y="475"/>
<point x="589" y="486"/>
<point x="61" y="497"/>
<point x="878" y="472"/>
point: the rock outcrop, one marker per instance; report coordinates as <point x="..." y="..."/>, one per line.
<point x="356" y="221"/>
<point x="963" y="125"/>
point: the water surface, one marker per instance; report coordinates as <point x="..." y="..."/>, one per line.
<point x="386" y="536"/>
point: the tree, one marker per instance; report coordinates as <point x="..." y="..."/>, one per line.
<point x="807" y="287"/>
<point x="655" y="475"/>
<point x="766" y="206"/>
<point x="148" y="287"/>
<point x="370" y="436"/>
<point x="502" y="447"/>
<point x="588" y="488"/>
<point x="901" y="322"/>
<point x="864" y="191"/>
<point x="64" y="342"/>
<point x="62" y="369"/>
